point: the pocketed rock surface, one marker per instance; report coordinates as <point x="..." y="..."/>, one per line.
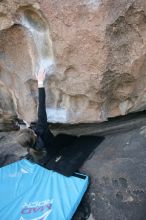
<point x="94" y="53"/>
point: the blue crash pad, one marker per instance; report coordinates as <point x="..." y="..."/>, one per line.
<point x="31" y="192"/>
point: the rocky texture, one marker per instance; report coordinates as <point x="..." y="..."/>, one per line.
<point x="114" y="125"/>
<point x="117" y="171"/>
<point x="7" y="112"/>
<point x="10" y="151"/>
<point x="94" y="52"/>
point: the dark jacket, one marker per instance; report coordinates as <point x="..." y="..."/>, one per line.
<point x="44" y="135"/>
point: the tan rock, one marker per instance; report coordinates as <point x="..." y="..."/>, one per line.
<point x="94" y="52"/>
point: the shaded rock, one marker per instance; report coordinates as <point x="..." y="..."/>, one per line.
<point x="113" y="125"/>
<point x="6" y="159"/>
<point x="8" y="123"/>
<point x="10" y="150"/>
<point x="7" y="110"/>
<point x="117" y="171"/>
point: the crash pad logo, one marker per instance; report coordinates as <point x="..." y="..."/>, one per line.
<point x="38" y="210"/>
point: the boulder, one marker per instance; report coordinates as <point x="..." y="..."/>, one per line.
<point x="94" y="53"/>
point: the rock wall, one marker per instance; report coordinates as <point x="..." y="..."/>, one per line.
<point x="94" y="52"/>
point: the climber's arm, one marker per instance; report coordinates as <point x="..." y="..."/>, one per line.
<point x="42" y="116"/>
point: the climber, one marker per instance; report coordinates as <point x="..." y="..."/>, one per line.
<point x="38" y="140"/>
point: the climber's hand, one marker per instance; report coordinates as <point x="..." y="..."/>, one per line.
<point x="41" y="77"/>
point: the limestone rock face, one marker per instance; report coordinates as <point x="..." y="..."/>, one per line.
<point x="94" y="52"/>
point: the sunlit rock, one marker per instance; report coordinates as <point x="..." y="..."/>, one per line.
<point x="94" y="53"/>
